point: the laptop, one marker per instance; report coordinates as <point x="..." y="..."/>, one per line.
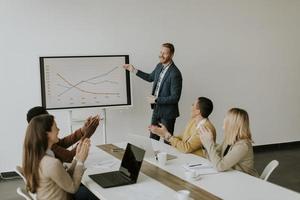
<point x="145" y="143"/>
<point x="128" y="172"/>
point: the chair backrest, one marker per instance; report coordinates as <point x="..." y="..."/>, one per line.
<point x="269" y="169"/>
<point x="23" y="193"/>
<point x="19" y="170"/>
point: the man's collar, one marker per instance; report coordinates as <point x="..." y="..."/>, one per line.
<point x="168" y="64"/>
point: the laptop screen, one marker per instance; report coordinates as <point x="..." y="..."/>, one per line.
<point x="132" y="161"/>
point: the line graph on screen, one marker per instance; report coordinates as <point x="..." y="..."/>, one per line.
<point x="88" y="81"/>
<point x="84" y="82"/>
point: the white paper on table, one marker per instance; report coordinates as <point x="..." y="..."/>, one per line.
<point x="105" y="164"/>
<point x="204" y="168"/>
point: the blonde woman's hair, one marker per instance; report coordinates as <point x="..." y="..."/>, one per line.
<point x="237" y="126"/>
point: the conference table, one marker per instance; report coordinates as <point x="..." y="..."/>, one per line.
<point x="162" y="182"/>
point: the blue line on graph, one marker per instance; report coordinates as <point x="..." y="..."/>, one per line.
<point x="73" y="86"/>
<point x="97" y="83"/>
<point x="106" y="81"/>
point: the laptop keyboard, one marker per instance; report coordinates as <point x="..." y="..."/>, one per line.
<point x="112" y="178"/>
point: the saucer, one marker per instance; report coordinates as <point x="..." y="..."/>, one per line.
<point x="190" y="198"/>
<point x="195" y="178"/>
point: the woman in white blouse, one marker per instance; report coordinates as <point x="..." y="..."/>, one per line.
<point x="45" y="174"/>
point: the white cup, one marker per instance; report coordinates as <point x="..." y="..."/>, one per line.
<point x="190" y="174"/>
<point x="162" y="158"/>
<point x="183" y="195"/>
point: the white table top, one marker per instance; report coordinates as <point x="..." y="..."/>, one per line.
<point x="231" y="185"/>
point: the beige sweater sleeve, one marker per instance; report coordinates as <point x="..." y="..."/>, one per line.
<point x="68" y="182"/>
<point x="237" y="152"/>
<point x="70" y="169"/>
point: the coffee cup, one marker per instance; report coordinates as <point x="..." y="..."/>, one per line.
<point x="190" y="174"/>
<point x="162" y="158"/>
<point x="183" y="195"/>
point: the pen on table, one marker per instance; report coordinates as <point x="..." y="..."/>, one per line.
<point x="194" y="165"/>
<point x="117" y="149"/>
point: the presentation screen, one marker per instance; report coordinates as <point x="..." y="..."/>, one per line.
<point x="84" y="81"/>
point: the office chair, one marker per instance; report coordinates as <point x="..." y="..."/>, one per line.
<point x="269" y="169"/>
<point x="23" y="193"/>
<point x="19" y="170"/>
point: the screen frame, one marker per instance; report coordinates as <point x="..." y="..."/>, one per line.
<point x="43" y="91"/>
<point x="134" y="150"/>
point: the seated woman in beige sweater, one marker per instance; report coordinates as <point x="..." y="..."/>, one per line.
<point x="189" y="141"/>
<point x="45" y="174"/>
<point x="236" y="151"/>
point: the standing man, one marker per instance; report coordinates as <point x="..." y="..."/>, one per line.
<point x="166" y="89"/>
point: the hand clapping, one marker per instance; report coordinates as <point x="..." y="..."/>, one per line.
<point x="160" y="131"/>
<point x="90" y="126"/>
<point x="205" y="135"/>
<point x="82" y="150"/>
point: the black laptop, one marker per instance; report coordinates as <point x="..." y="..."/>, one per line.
<point x="128" y="172"/>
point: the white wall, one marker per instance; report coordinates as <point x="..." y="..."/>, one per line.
<point x="238" y="53"/>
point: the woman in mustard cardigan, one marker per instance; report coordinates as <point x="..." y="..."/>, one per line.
<point x="189" y="141"/>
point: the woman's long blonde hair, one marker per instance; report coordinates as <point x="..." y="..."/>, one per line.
<point x="34" y="149"/>
<point x="237" y="126"/>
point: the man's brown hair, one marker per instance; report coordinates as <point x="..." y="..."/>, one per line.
<point x="169" y="46"/>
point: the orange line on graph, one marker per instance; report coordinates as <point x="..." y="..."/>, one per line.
<point x="82" y="90"/>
